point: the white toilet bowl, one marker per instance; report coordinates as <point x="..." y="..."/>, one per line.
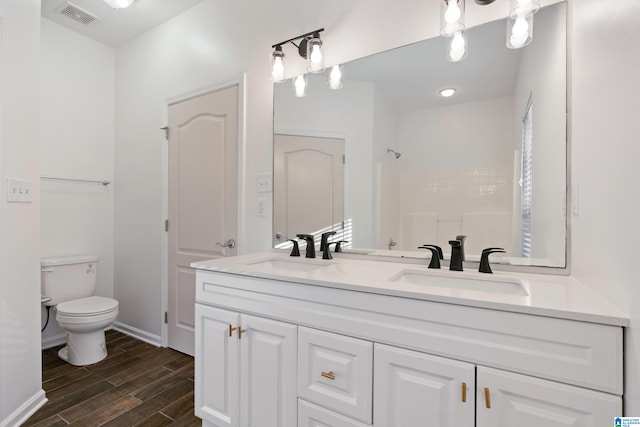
<point x="84" y="321"/>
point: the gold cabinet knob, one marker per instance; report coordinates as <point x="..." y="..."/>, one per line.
<point x="240" y="332"/>
<point x="231" y="329"/>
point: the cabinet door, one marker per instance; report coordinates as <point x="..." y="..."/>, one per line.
<point x="508" y="399"/>
<point x="216" y="366"/>
<point x="267" y="373"/>
<point x="413" y="389"/>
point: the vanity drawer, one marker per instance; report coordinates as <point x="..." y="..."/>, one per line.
<point x="310" y="415"/>
<point x="336" y="372"/>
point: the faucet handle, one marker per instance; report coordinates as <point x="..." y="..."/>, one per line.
<point x="338" y="247"/>
<point x="326" y="252"/>
<point x="484" y="259"/>
<point x="435" y="255"/>
<point x="296" y="249"/>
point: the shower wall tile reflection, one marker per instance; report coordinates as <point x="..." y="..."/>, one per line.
<point x="440" y="204"/>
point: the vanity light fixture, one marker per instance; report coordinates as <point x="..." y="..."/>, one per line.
<point x="335" y="77"/>
<point x="309" y="47"/>
<point x="119" y="4"/>
<point x="446" y="93"/>
<point x="520" y="24"/>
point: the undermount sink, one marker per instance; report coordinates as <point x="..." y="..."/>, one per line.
<point x="499" y="285"/>
<point x="282" y="264"/>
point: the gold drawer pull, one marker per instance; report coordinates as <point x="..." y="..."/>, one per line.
<point x="329" y="375"/>
<point x="231" y="329"/>
<point x="487" y="398"/>
<point x="464" y="392"/>
<point x="240" y="332"/>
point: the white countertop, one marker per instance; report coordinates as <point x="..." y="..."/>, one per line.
<point x="544" y="295"/>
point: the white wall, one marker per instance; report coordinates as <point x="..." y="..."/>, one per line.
<point x="604" y="162"/>
<point x="77" y="119"/>
<point x="20" y="357"/>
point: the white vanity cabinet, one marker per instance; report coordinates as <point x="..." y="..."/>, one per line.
<point x="343" y="358"/>
<point x="245" y="370"/>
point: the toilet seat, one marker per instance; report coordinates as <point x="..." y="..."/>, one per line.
<point x="85" y="307"/>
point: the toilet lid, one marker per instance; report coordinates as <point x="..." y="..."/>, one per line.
<point x="87" y="306"/>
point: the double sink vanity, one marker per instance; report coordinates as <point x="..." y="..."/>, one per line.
<point x="284" y="341"/>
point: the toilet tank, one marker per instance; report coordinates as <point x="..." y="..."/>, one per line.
<point x="68" y="278"/>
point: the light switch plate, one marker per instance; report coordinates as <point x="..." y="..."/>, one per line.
<point x="265" y="183"/>
<point x="19" y="190"/>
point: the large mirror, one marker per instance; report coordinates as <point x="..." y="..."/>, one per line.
<point x="390" y="164"/>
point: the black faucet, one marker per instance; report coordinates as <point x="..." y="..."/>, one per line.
<point x="436" y="255"/>
<point x="311" y="245"/>
<point x="484" y="259"/>
<point x="456" y="255"/>
<point x="324" y="239"/>
<point x="462" y="238"/>
<point x="295" y="251"/>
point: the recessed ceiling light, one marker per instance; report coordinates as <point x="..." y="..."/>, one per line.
<point x="447" y="92"/>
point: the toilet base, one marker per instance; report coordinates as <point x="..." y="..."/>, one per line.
<point x="84" y="348"/>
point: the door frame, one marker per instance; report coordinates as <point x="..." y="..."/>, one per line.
<point x="234" y="80"/>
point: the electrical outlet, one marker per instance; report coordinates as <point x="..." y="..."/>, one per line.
<point x="19" y="190"/>
<point x="265" y="183"/>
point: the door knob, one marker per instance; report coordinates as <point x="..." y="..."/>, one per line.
<point x="228" y="244"/>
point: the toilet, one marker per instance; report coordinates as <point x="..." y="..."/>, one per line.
<point x="70" y="282"/>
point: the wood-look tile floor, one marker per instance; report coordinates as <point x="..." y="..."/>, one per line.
<point x="137" y="384"/>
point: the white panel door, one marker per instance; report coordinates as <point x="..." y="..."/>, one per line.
<point x="308" y="193"/>
<point x="203" y="140"/>
<point x="505" y="399"/>
<point x="413" y="389"/>
<point x="268" y="352"/>
<point x="217" y="395"/>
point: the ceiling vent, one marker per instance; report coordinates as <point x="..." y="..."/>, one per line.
<point x="77" y="14"/>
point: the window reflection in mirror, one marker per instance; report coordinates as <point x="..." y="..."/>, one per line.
<point x="461" y="157"/>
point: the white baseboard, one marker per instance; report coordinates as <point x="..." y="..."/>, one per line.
<point x="25" y="410"/>
<point x="138" y="334"/>
<point x="53" y="341"/>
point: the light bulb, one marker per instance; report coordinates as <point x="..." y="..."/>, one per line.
<point x="316" y="54"/>
<point x="457" y="43"/>
<point x="452" y="15"/>
<point x="519" y="32"/>
<point x="300" y="85"/>
<point x="277" y="71"/>
<point x="457" y="48"/>
<point x="335" y="78"/>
